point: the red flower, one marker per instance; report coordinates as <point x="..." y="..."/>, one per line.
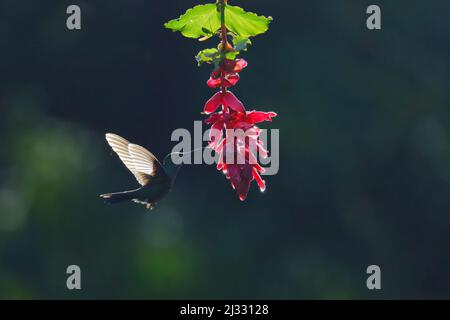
<point x="230" y="66"/>
<point x="240" y="174"/>
<point x="217" y="80"/>
<point x="253" y="117"/>
<point x="227" y="99"/>
<point x="237" y="154"/>
<point x="227" y="73"/>
<point x="241" y="120"/>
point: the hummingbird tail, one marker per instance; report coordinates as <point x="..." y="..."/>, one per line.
<point x="117" y="197"/>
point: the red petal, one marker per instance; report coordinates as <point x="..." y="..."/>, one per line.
<point x="216" y="73"/>
<point x="220" y="146"/>
<point x="261" y="183"/>
<point x="214" y="83"/>
<point x="240" y="64"/>
<point x="215" y="134"/>
<point x="228" y="81"/>
<point x="230" y="100"/>
<point x="261" y="150"/>
<point x="214" y="118"/>
<point x="259" y="168"/>
<point x="252" y="159"/>
<point x="241" y="125"/>
<point x="231" y="80"/>
<point x="259" y="116"/>
<point x="229" y="66"/>
<point x="213" y="103"/>
<point x="240" y="177"/>
<point x="220" y="163"/>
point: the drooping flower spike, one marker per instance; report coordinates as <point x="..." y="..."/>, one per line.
<point x="238" y="154"/>
<point x="240" y="175"/>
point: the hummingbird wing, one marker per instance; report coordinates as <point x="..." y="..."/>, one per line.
<point x="141" y="162"/>
<point x="145" y="162"/>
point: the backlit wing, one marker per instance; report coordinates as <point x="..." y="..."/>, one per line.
<point x="144" y="161"/>
<point x="141" y="162"/>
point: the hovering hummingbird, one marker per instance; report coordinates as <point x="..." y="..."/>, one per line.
<point x="156" y="179"/>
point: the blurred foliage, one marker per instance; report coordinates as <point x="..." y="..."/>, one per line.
<point x="365" y="154"/>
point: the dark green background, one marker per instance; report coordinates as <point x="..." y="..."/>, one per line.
<point x="365" y="154"/>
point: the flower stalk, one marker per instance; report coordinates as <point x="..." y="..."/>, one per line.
<point x="223" y="37"/>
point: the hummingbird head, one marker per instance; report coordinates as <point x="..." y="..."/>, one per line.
<point x="170" y="167"/>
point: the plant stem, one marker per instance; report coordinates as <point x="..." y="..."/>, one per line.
<point x="223" y="33"/>
<point x="223" y="37"/>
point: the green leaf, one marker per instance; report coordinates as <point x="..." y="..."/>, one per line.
<point x="245" y="24"/>
<point x="197" y="22"/>
<point x="240" y="43"/>
<point x="231" y="55"/>
<point x="211" y="55"/>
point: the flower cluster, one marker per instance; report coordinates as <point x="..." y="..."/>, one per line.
<point x="227" y="114"/>
<point x="237" y="152"/>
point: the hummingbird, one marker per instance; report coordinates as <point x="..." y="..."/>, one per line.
<point x="156" y="179"/>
